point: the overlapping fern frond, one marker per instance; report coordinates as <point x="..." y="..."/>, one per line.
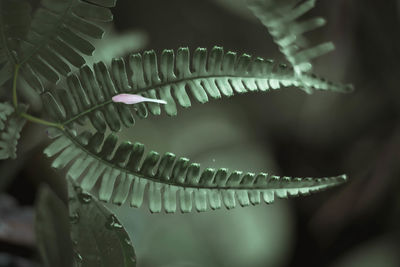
<point x="15" y="18"/>
<point x="206" y="75"/>
<point x="280" y="17"/>
<point x="127" y="173"/>
<point x="10" y="127"/>
<point x="57" y="38"/>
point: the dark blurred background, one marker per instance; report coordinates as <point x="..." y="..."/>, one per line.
<point x="286" y="132"/>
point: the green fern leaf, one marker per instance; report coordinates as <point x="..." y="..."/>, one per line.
<point x="126" y="173"/>
<point x="15" y="18"/>
<point x="10" y="127"/>
<point x="204" y="76"/>
<point x="57" y="37"/>
<point x="280" y="18"/>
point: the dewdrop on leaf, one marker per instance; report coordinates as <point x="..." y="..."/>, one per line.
<point x="134" y="99"/>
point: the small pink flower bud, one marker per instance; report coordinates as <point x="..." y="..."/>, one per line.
<point x="134" y="99"/>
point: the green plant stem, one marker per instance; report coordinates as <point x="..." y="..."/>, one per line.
<point x="15" y="97"/>
<point x="26" y="115"/>
<point x="40" y="121"/>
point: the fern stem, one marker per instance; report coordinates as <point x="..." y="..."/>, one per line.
<point x="26" y="115"/>
<point x="40" y="121"/>
<point x="14" y="89"/>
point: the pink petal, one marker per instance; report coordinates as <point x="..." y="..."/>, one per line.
<point x="134" y="99"/>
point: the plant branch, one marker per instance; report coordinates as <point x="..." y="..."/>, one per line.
<point x="40" y="121"/>
<point x="24" y="114"/>
<point x="14" y="88"/>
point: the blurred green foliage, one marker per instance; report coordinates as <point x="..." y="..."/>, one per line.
<point x="285" y="131"/>
<point x="253" y="236"/>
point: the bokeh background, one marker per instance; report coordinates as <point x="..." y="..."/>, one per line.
<point x="286" y="132"/>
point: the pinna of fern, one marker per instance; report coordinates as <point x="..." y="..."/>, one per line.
<point x="178" y="79"/>
<point x="127" y="173"/>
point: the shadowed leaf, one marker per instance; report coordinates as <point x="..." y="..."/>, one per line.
<point x="52" y="229"/>
<point x="99" y="239"/>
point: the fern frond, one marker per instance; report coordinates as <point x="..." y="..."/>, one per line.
<point x="125" y="173"/>
<point x="10" y="127"/>
<point x="6" y="109"/>
<point x="206" y="75"/>
<point x="58" y="36"/>
<point x="15" y="18"/>
<point x="280" y="18"/>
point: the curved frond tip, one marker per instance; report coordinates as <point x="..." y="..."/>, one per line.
<point x="280" y="17"/>
<point x="178" y="79"/>
<point x="126" y="173"/>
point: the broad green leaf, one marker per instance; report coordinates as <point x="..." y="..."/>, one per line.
<point x="99" y="239"/>
<point x="52" y="229"/>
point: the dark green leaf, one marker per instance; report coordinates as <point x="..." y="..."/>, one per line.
<point x="52" y="229"/>
<point x="99" y="238"/>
